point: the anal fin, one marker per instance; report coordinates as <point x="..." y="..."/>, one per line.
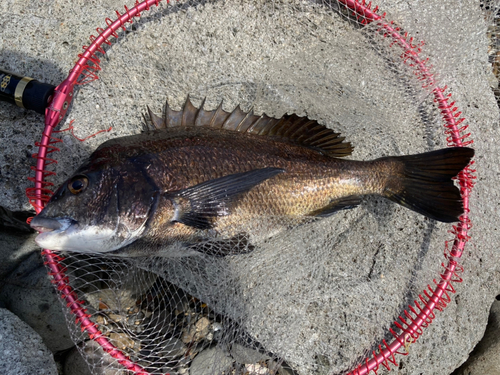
<point x="335" y="205"/>
<point x="236" y="245"/>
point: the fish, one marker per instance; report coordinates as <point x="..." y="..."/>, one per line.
<point x="220" y="183"/>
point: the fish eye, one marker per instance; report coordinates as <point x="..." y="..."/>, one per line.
<point x="77" y="184"/>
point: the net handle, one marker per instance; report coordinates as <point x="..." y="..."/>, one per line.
<point x="410" y="326"/>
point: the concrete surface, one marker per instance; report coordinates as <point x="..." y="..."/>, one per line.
<point x="325" y="295"/>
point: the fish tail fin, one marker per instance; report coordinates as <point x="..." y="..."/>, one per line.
<point x="424" y="182"/>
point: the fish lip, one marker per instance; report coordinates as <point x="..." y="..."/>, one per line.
<point x="61" y="225"/>
<point x="44" y="224"/>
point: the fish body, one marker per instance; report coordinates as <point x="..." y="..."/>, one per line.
<point x="218" y="183"/>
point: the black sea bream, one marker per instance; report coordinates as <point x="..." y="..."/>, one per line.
<point x="219" y="183"/>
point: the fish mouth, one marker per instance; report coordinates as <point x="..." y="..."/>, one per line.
<point x="46" y="224"/>
<point x="50" y="228"/>
<point x="66" y="234"/>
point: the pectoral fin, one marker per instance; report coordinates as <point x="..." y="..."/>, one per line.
<point x="196" y="206"/>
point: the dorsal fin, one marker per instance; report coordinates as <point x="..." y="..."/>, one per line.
<point x="298" y="130"/>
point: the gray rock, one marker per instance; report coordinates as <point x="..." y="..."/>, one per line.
<point x="22" y="351"/>
<point x="75" y="364"/>
<point x="245" y="355"/>
<point x="174" y="348"/>
<point x="28" y="293"/>
<point x="14" y="221"/>
<point x="485" y="358"/>
<point x="14" y="249"/>
<point x="123" y="297"/>
<point x="116" y="300"/>
<point x="326" y="295"/>
<point x="96" y="361"/>
<point x="16" y="240"/>
<point x="210" y="361"/>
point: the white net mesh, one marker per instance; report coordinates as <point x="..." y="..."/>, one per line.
<point x="315" y="299"/>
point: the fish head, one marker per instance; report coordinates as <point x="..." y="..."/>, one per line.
<point x="96" y="211"/>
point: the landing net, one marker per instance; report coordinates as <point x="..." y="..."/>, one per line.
<point x="349" y="293"/>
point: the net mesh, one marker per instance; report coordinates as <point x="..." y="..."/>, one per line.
<point x="317" y="298"/>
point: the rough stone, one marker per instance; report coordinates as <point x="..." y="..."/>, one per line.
<point x="96" y="361"/>
<point x="485" y="358"/>
<point x="244" y="355"/>
<point x="28" y="293"/>
<point x="173" y="349"/>
<point x="22" y="351"/>
<point x="210" y="361"/>
<point x="14" y="249"/>
<point x="16" y="240"/>
<point x="74" y="364"/>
